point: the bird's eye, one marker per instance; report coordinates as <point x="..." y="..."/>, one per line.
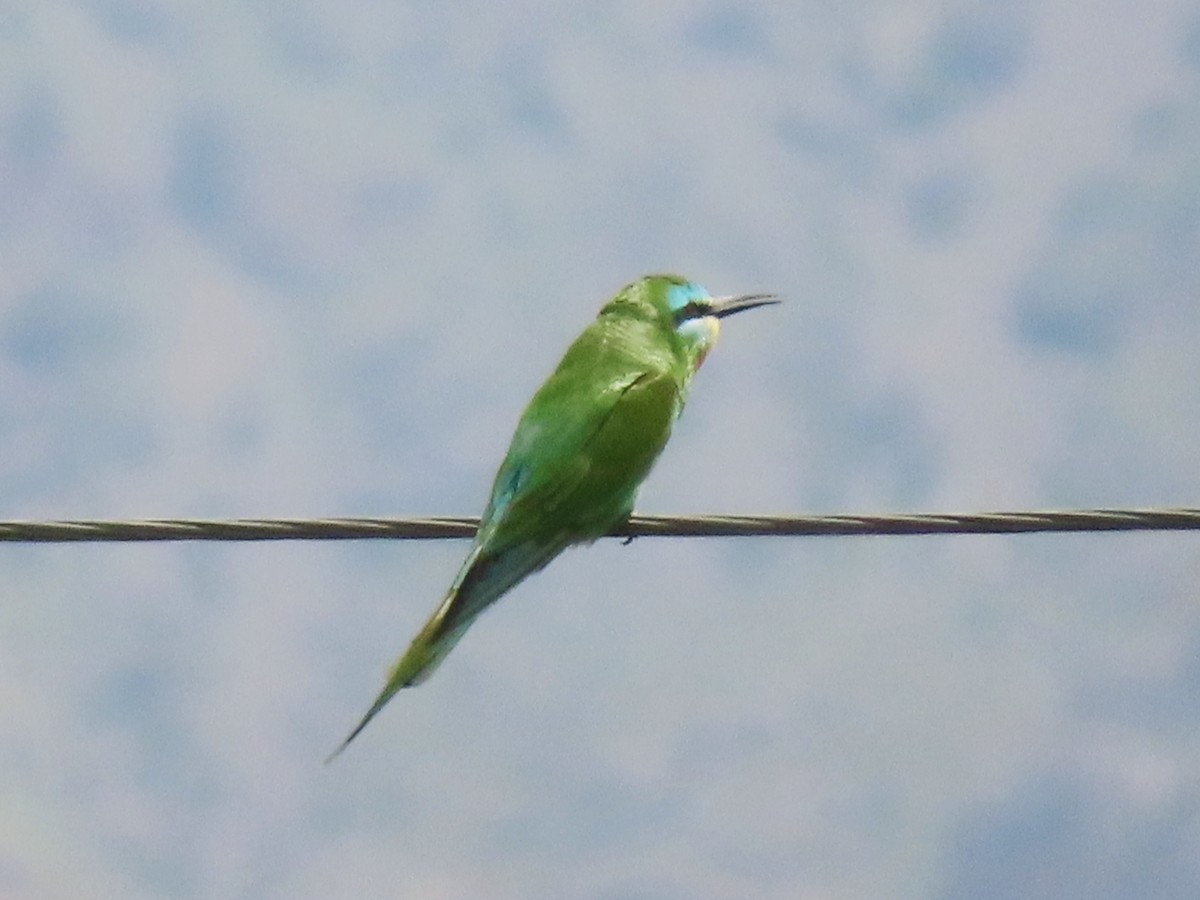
<point x="691" y="310"/>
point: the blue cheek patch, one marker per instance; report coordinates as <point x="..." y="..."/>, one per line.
<point x="680" y="295"/>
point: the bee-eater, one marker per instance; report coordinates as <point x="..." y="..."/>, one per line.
<point x="581" y="450"/>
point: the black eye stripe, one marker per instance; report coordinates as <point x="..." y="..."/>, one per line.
<point x="691" y="310"/>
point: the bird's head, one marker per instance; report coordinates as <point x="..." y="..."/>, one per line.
<point x="684" y="309"/>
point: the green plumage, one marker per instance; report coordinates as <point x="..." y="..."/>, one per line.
<point x="582" y="448"/>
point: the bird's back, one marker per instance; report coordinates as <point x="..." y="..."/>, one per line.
<point x="588" y="437"/>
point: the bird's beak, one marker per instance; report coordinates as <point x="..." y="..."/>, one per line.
<point x="727" y="306"/>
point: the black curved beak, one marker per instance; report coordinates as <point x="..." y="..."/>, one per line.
<point x="727" y="306"/>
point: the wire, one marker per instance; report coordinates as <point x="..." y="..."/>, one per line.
<point x="439" y="527"/>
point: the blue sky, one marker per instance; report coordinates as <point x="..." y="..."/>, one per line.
<point x="312" y="260"/>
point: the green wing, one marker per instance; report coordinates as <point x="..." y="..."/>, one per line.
<point x="582" y="448"/>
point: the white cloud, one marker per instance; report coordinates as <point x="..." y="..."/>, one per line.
<point x="257" y="263"/>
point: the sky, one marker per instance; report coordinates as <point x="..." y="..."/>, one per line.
<point x="311" y="259"/>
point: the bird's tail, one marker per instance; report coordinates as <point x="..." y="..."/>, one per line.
<point x="427" y="649"/>
<point x="481" y="581"/>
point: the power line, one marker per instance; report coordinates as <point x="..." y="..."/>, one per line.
<point x="440" y="527"/>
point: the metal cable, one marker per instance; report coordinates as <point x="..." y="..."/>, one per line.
<point x="437" y="527"/>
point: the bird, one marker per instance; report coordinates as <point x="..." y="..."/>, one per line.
<point x="581" y="449"/>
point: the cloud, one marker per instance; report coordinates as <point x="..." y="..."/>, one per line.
<point x="258" y="263"/>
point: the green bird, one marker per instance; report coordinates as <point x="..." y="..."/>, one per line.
<point x="582" y="448"/>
